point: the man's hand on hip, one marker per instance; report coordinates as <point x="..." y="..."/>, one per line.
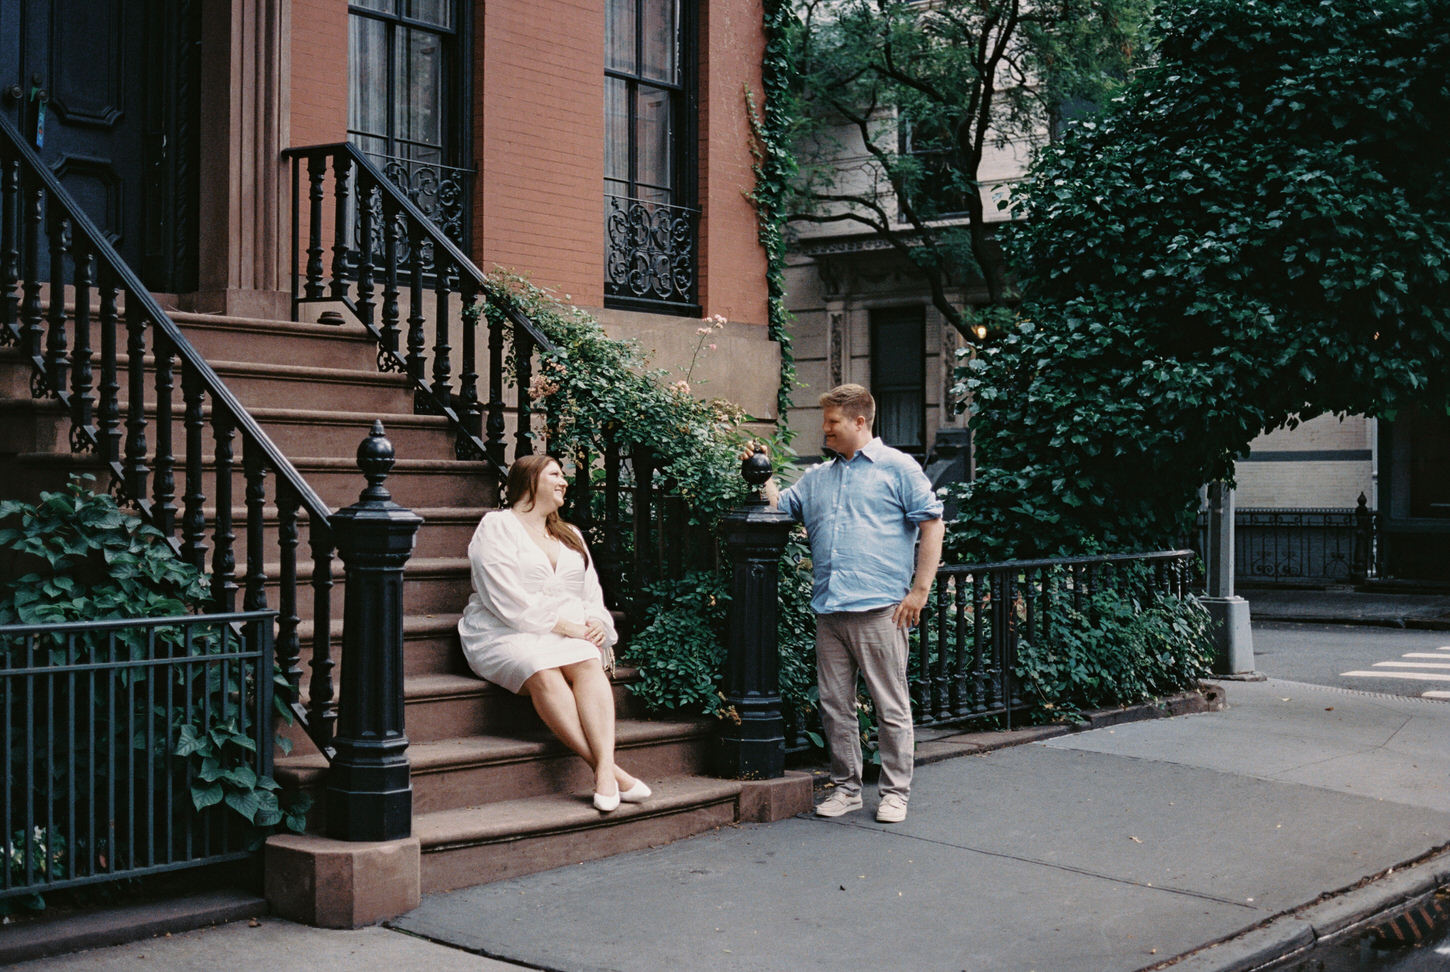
<point x="908" y="612"/>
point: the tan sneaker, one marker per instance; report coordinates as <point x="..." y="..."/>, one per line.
<point x="892" y="809"/>
<point x="838" y="803"/>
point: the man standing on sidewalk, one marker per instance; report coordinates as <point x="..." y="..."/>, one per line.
<point x="862" y="511"/>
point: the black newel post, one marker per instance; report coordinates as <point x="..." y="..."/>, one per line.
<point x="369" y="792"/>
<point x="752" y="742"/>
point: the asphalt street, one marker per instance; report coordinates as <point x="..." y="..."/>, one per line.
<point x="1392" y="661"/>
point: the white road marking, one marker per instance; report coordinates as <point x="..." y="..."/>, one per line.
<point x="1422" y="654"/>
<point x="1425" y="676"/>
<point x="1412" y="664"/>
<point x="1435" y="695"/>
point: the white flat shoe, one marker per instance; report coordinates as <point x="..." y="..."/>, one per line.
<point x="637" y="793"/>
<point x="606" y="803"/>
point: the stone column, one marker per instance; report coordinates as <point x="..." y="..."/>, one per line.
<point x="245" y="108"/>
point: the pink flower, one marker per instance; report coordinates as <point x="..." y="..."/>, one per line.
<point x="702" y="330"/>
<point x="681" y="386"/>
<point x="711" y="347"/>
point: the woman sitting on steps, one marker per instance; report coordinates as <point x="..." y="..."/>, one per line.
<point x="537" y="625"/>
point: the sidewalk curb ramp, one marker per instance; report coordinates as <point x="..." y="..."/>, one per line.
<point x="1335" y="914"/>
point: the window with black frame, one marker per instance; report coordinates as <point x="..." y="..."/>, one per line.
<point x="408" y="101"/>
<point x="649" y="159"/>
<point x="938" y="189"/>
<point x="898" y="376"/>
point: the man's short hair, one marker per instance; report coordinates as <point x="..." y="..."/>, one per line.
<point x="852" y="400"/>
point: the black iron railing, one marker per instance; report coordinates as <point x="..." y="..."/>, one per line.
<point x="343" y="207"/>
<point x="1304" y="546"/>
<point x="651" y="252"/>
<point x="412" y="263"/>
<point x="98" y="781"/>
<point x="964" y="653"/>
<point x="159" y="420"/>
<point x="441" y="193"/>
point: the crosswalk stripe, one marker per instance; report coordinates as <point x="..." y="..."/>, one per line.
<point x="1421" y="654"/>
<point x="1412" y="664"/>
<point x="1422" y="676"/>
<point x="1435" y="695"/>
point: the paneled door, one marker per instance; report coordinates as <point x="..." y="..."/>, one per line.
<point x="73" y="81"/>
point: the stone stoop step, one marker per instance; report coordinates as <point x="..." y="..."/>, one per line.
<point x="467" y="846"/>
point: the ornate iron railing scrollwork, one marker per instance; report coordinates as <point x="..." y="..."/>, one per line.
<point x="652" y="251"/>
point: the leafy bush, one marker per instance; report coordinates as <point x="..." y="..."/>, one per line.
<point x="1114" y="651"/>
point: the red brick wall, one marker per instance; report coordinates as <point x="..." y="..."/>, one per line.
<point x="538" y="122"/>
<point x="732" y="43"/>
<point x="319" y="72"/>
<point x="538" y="119"/>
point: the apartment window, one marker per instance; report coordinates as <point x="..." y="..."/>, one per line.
<point x="408" y="101"/>
<point x="938" y="189"/>
<point x="898" y="376"/>
<point x="649" y="158"/>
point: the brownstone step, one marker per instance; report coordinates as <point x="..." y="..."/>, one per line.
<point x="447" y="705"/>
<point x="526" y="760"/>
<point x="251" y="339"/>
<point x="477" y="845"/>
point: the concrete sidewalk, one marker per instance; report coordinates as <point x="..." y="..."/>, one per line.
<point x="1115" y="849"/>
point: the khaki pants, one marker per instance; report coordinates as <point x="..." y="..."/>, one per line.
<point x="867" y="641"/>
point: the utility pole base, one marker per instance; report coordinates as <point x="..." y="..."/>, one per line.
<point x="1233" y="638"/>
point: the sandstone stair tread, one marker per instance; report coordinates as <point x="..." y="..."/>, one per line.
<point x="560" y="812"/>
<point x="514" y="747"/>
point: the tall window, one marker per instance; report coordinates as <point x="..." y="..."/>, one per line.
<point x="408" y="100"/>
<point x="898" y="376"/>
<point x="648" y="151"/>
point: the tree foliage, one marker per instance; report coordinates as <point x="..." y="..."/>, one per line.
<point x="900" y="103"/>
<point x="1257" y="232"/>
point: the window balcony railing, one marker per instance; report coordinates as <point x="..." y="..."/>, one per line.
<point x="651" y="253"/>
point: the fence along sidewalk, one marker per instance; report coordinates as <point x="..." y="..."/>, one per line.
<point x="93" y="718"/>
<point x="964" y="653"/>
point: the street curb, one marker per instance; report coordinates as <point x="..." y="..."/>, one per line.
<point x="1333" y="915"/>
<point x="1207" y="697"/>
<point x="121" y="924"/>
<point x="1399" y="624"/>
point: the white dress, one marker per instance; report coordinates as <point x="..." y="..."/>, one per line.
<point x="518" y="597"/>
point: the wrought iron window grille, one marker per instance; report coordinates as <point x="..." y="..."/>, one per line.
<point x="652" y="253"/>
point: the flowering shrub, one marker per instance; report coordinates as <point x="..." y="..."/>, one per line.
<point x="593" y="386"/>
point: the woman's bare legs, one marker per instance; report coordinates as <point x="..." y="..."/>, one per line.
<point x="561" y="697"/>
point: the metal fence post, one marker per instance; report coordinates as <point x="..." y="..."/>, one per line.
<point x="752" y="742"/>
<point x="369" y="791"/>
<point x="1359" y="571"/>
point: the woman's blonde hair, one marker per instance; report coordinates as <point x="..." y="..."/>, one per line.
<point x="523" y="487"/>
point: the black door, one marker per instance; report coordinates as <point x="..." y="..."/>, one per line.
<point x="75" y="87"/>
<point x="106" y="92"/>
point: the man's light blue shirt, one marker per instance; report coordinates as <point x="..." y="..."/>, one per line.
<point x="861" y="517"/>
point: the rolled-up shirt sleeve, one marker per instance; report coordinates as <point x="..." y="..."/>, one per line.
<point x="493" y="557"/>
<point x="918" y="499"/>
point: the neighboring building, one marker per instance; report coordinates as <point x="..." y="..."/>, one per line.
<point x="863" y="315"/>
